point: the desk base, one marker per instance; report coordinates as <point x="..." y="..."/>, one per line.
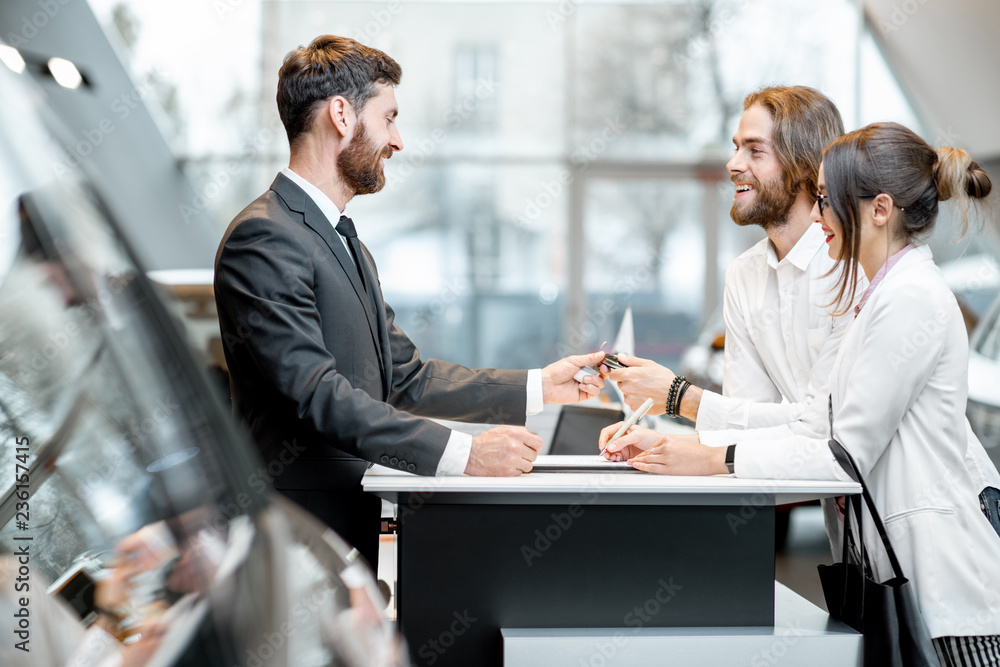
<point x="803" y="635"/>
<point x="465" y="571"/>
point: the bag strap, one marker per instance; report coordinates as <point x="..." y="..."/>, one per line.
<point x="862" y="552"/>
<point x="848" y="547"/>
<point x="846" y="461"/>
<point x="845" y="551"/>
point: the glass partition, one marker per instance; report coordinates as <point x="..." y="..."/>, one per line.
<point x="511" y="112"/>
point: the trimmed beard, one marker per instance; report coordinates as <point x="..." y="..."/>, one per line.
<point x="769" y="208"/>
<point x="363" y="174"/>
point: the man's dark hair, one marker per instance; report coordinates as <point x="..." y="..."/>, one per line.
<point x="329" y="66"/>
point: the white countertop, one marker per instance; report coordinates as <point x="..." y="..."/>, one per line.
<point x="388" y="483"/>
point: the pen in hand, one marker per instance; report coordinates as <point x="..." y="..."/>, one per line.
<point x="631" y="421"/>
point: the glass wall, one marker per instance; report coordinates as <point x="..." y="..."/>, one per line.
<point x="562" y="160"/>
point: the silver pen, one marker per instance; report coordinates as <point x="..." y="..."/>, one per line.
<point x="630" y="422"/>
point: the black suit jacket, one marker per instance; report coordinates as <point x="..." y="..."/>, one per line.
<point x="319" y="370"/>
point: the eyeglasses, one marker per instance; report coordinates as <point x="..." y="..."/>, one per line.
<point x="822" y="203"/>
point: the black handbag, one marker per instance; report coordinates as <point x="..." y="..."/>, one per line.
<point x="885" y="613"/>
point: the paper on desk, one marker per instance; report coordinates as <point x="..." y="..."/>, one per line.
<point x="584" y="463"/>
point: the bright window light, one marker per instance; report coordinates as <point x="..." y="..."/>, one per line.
<point x="65" y="73"/>
<point x="11" y="57"/>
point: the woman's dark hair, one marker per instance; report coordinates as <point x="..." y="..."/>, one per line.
<point x="328" y="67"/>
<point x="892" y="159"/>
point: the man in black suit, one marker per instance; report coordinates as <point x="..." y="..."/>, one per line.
<point x="319" y="370"/>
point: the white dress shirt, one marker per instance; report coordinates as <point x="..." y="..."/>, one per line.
<point x="899" y="387"/>
<point x="326" y="205"/>
<point x="456" y="452"/>
<point x="781" y="337"/>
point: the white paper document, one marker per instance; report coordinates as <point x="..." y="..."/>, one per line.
<point x="579" y="463"/>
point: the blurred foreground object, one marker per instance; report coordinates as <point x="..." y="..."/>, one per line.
<point x="122" y="477"/>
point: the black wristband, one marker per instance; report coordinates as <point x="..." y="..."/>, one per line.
<point x="680" y="396"/>
<point x="731" y="458"/>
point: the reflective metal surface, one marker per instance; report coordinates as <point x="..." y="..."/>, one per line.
<point x="134" y="526"/>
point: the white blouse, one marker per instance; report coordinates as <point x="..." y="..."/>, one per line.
<point x="899" y="387"/>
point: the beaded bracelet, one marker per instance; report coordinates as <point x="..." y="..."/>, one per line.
<point x="672" y="405"/>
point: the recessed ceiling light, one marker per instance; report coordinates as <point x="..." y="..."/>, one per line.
<point x="65" y="73"/>
<point x="11" y="57"/>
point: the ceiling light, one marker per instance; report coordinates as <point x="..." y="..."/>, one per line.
<point x="65" y="73"/>
<point x="11" y="57"/>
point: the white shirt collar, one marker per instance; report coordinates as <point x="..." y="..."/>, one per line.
<point x="803" y="251"/>
<point x="326" y="205"/>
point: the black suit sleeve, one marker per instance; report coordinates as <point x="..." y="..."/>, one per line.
<point x="266" y="292"/>
<point x="445" y="390"/>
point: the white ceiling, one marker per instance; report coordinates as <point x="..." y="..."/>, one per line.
<point x="946" y="54"/>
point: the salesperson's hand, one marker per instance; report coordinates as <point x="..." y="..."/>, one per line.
<point x="635" y="441"/>
<point x="680" y="455"/>
<point x="559" y="384"/>
<point x="504" y="451"/>
<point x="641" y="380"/>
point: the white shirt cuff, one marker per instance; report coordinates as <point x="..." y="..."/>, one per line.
<point x="535" y="402"/>
<point x="794" y="457"/>
<point x="728" y="436"/>
<point x="456" y="454"/>
<point x="721" y="438"/>
<point x="709" y="417"/>
<point x="716" y="412"/>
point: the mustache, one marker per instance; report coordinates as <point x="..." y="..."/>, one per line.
<point x="386" y="153"/>
<point x="750" y="181"/>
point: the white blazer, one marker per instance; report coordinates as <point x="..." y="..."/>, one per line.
<point x="899" y="388"/>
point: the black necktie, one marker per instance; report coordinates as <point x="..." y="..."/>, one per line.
<point x="345" y="227"/>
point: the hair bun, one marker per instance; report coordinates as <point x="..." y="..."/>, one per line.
<point x="956" y="174"/>
<point x="977" y="183"/>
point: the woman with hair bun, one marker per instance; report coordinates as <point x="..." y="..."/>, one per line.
<point x="898" y="390"/>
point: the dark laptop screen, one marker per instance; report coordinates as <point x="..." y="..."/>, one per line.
<point x="579" y="427"/>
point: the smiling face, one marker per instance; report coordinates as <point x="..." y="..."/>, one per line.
<point x="362" y="162"/>
<point x="761" y="196"/>
<point x="828" y="220"/>
<point x="873" y="236"/>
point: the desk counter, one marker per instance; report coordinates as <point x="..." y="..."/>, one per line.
<point x="580" y="550"/>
